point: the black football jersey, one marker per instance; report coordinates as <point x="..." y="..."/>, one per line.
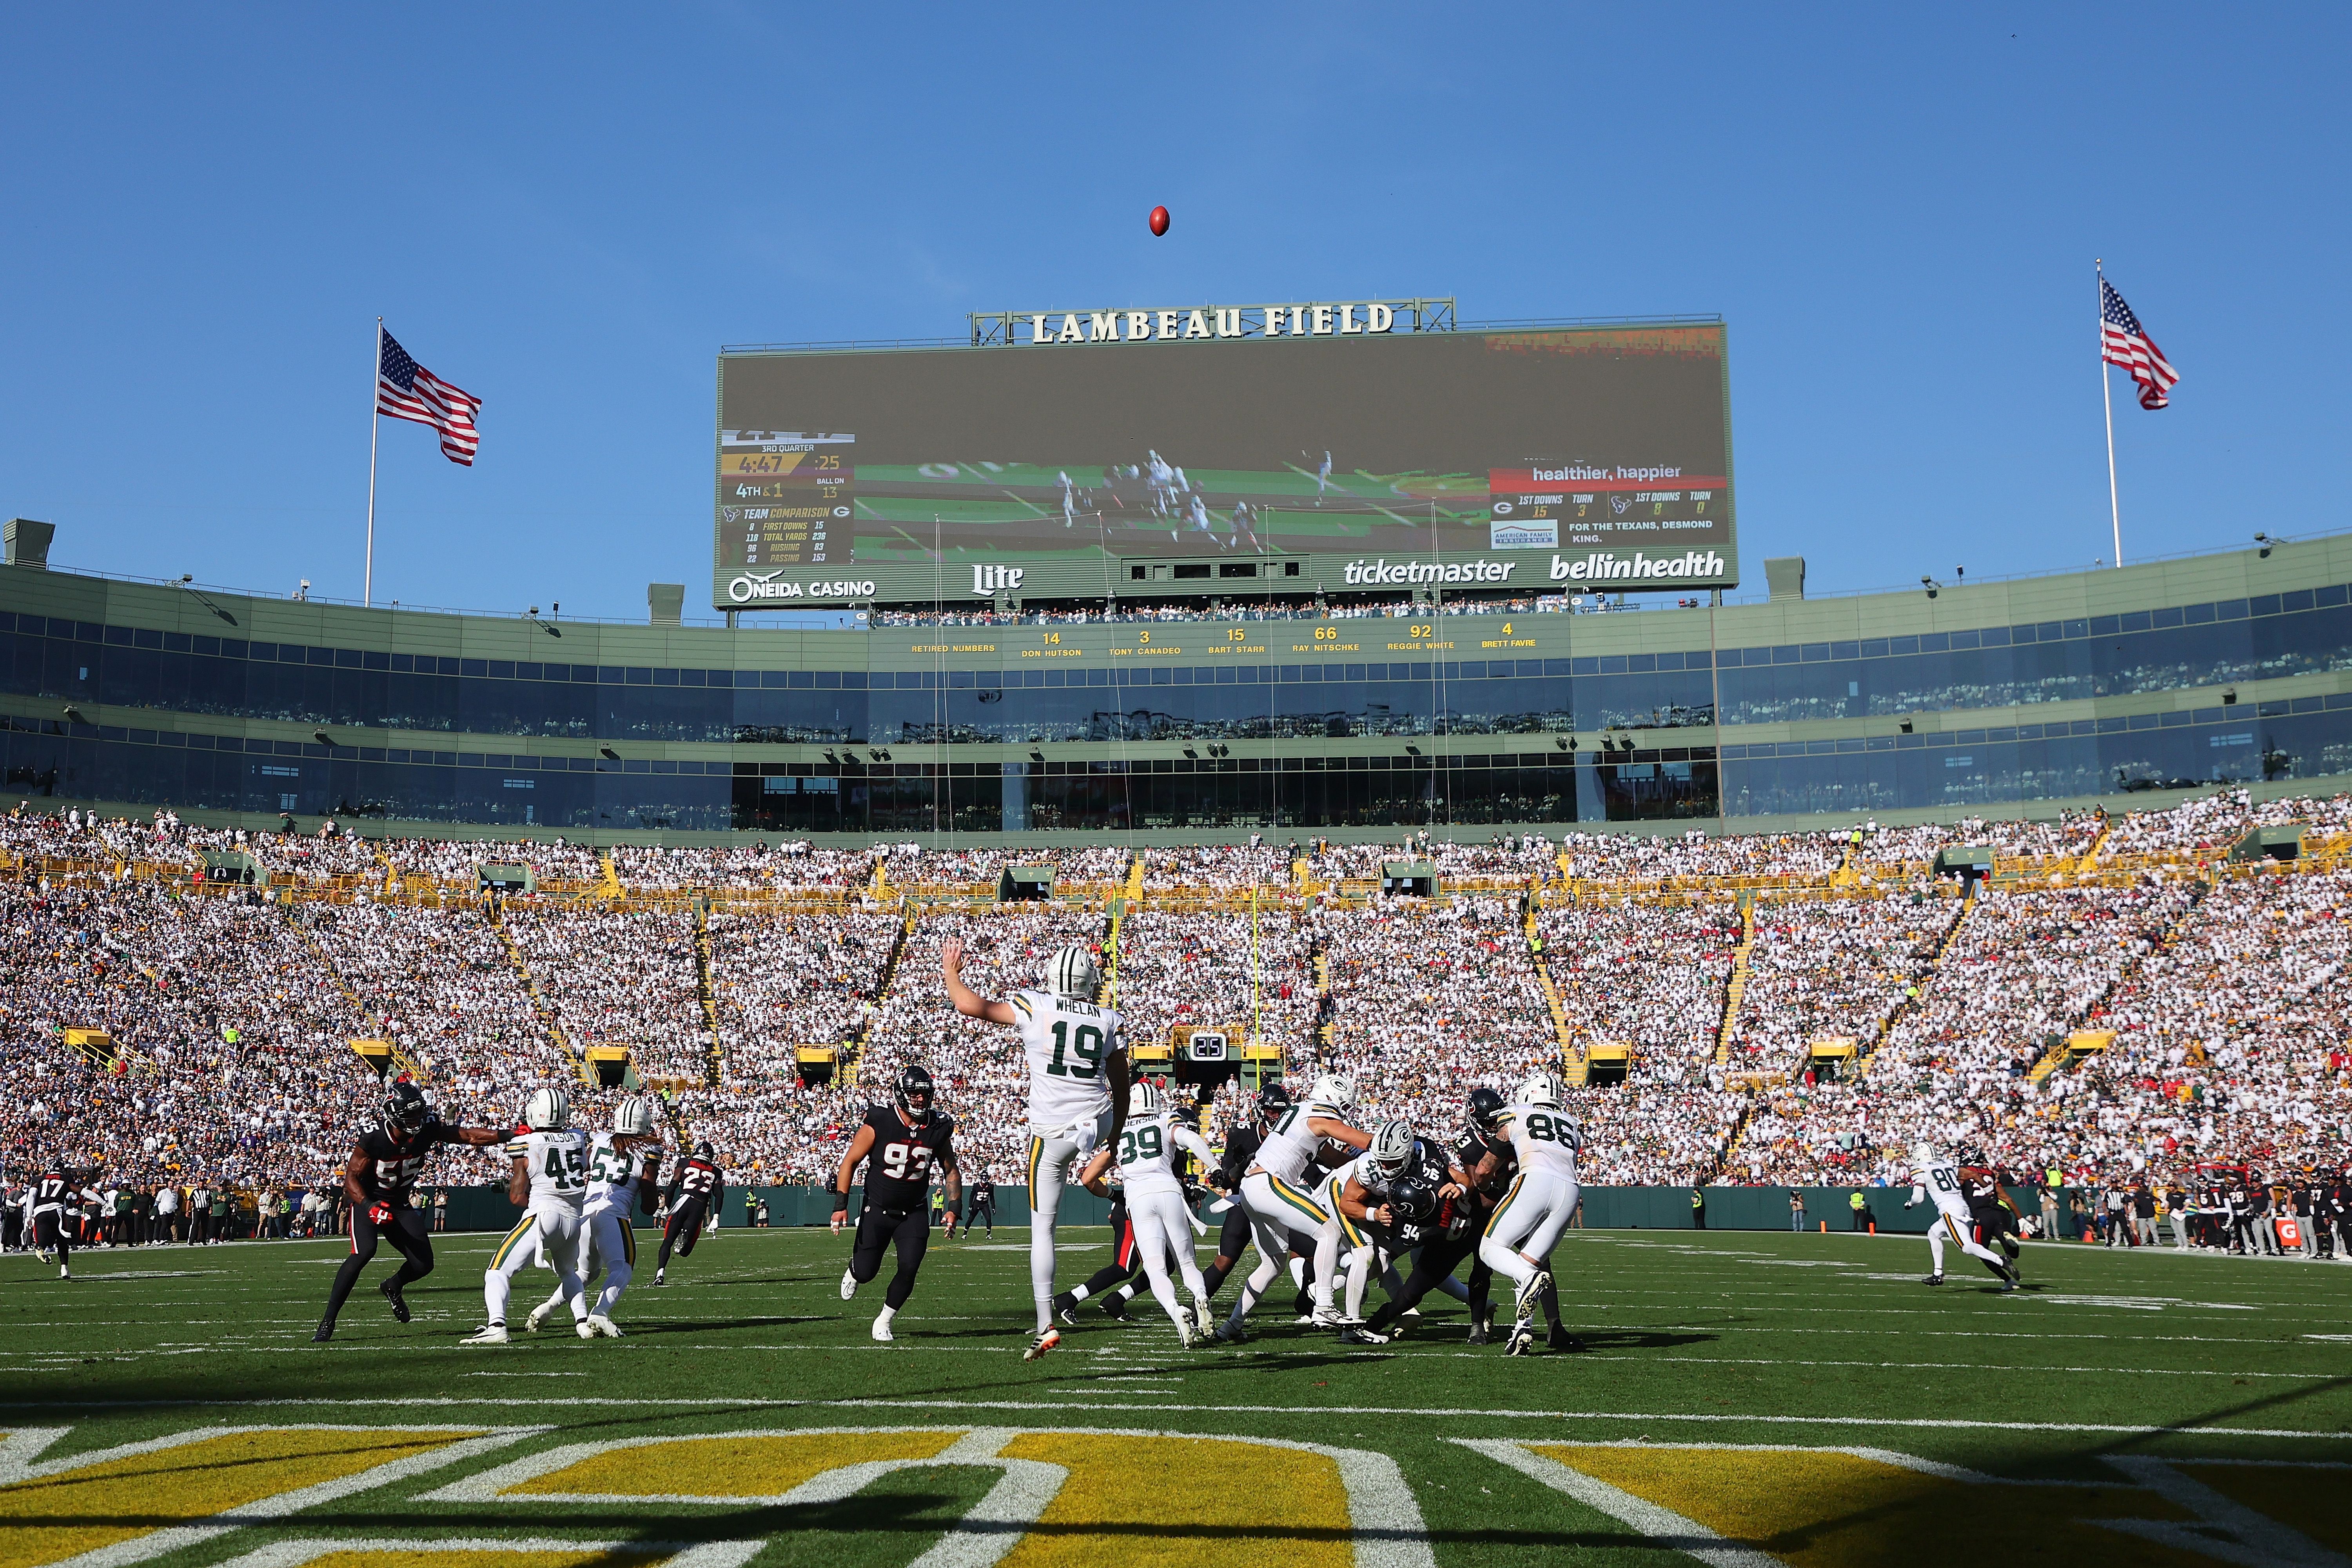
<point x="984" y="1191"/>
<point x="697" y="1182"/>
<point x="1427" y="1166"/>
<point x="898" y="1170"/>
<point x="50" y="1190"/>
<point x="1241" y="1149"/>
<point x="399" y="1161"/>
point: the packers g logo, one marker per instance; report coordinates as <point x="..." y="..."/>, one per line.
<point x="1061" y="1496"/>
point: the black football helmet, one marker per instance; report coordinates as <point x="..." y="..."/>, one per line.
<point x="405" y="1108"/>
<point x="914" y="1095"/>
<point x="1273" y="1101"/>
<point x="704" y="1151"/>
<point x="1483" y="1106"/>
<point x="1412" y="1201"/>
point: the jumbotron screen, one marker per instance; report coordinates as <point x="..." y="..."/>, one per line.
<point x="1529" y="459"/>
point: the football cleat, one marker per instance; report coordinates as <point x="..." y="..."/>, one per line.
<point x="1352" y="1335"/>
<point x="1207" y="1320"/>
<point x="882" y="1329"/>
<point x="1481" y="1331"/>
<point x="1184" y="1329"/>
<point x="392" y="1294"/>
<point x="538" y="1315"/>
<point x="584" y="1331"/>
<point x="1522" y="1340"/>
<point x="848" y="1283"/>
<point x="1561" y="1340"/>
<point x="1046" y="1340"/>
<point x="603" y="1325"/>
<point x="491" y="1334"/>
<point x="325" y="1331"/>
<point x="1114" y="1307"/>
<point x="658" y="1275"/>
<point x="1532" y="1292"/>
<point x="1065" y="1307"/>
<point x="1933" y="1279"/>
<point x="1328" y="1318"/>
<point x="1232" y="1333"/>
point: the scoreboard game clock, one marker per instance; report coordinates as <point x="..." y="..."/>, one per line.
<point x="785" y="498"/>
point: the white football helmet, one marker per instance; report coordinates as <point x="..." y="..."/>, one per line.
<point x="546" y="1109"/>
<point x="1392" y="1148"/>
<point x="1073" y="973"/>
<point x="1923" y="1155"/>
<point x="632" y="1116"/>
<point x="1145" y="1100"/>
<point x="1336" y="1090"/>
<point x="1544" y="1089"/>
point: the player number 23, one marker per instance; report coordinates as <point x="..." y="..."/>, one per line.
<point x="1086" y="1045"/>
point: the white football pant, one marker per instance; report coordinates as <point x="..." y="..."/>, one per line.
<point x="1526" y="1224"/>
<point x="1050" y="1157"/>
<point x="550" y="1231"/>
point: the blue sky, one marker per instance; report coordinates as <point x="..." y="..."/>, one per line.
<point x="566" y="211"/>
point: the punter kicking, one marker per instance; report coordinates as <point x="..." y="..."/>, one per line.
<point x="1078" y="1090"/>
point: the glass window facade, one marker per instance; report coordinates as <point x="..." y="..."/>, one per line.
<point x="1476" y="740"/>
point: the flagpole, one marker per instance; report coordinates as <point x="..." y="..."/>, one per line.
<point x="375" y="371"/>
<point x="2107" y="395"/>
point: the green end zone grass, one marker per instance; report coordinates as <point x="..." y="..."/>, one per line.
<point x="1748" y="1398"/>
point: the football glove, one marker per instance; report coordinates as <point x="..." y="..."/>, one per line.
<point x="378" y="1213"/>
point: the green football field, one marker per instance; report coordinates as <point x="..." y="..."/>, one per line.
<point x="1747" y="1398"/>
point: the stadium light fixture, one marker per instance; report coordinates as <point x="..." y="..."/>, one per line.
<point x="611" y="755"/>
<point x="2265" y="540"/>
<point x="1930" y="585"/>
<point x="2229" y="697"/>
<point x="323" y="739"/>
<point x="74" y="715"/>
<point x="1907" y="726"/>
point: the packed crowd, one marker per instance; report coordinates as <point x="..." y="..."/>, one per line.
<point x="1237" y="610"/>
<point x="1652" y="977"/>
<point x="2154" y="1029"/>
<point x="1831" y="971"/>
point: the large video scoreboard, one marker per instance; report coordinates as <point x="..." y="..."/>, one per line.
<point x="1134" y="454"/>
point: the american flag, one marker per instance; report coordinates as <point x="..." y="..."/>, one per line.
<point x="407" y="390"/>
<point x="2124" y="341"/>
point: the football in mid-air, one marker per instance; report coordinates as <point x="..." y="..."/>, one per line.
<point x="1159" y="220"/>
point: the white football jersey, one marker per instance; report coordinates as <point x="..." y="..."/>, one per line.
<point x="1941" y="1183"/>
<point x="1544" y="1138"/>
<point x="613" y="1176"/>
<point x="1328" y="1191"/>
<point x="1066" y="1042"/>
<point x="1290" y="1144"/>
<point x="1146" y="1153"/>
<point x="557" y="1163"/>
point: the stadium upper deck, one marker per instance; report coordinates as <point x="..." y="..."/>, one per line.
<point x="2006" y="699"/>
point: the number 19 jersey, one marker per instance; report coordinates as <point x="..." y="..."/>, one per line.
<point x="1544" y="1138"/>
<point x="1066" y="1041"/>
